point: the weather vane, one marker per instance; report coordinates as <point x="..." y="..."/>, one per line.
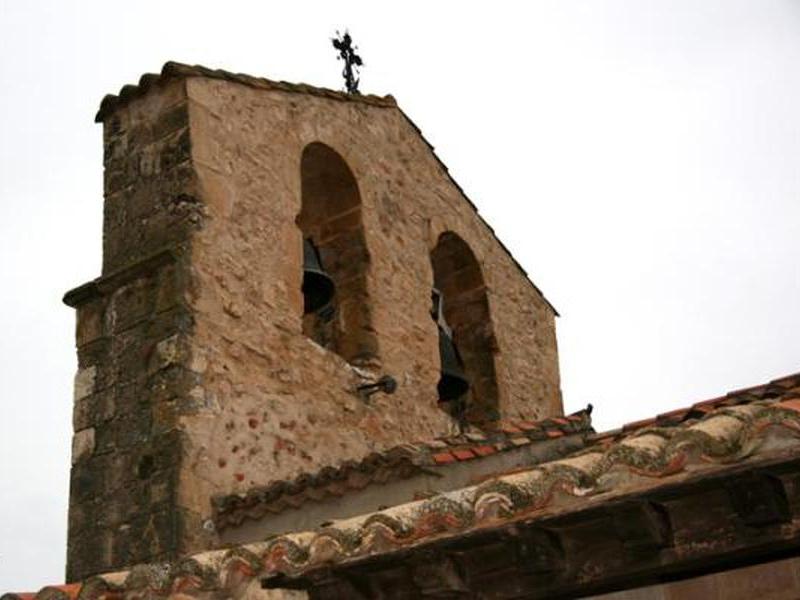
<point x="347" y="53"/>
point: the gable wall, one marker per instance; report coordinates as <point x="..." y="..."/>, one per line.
<point x="278" y="403"/>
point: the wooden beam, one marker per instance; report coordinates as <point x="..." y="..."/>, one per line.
<point x="759" y="499"/>
<point x="643" y="526"/>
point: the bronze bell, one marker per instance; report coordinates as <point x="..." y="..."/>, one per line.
<point x="318" y="287"/>
<point x="453" y="381"/>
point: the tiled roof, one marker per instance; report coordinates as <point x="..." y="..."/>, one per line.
<point x="174" y="70"/>
<point x="399" y="462"/>
<point x="707" y="439"/>
<point x="775" y="389"/>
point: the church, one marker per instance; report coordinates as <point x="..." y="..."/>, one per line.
<point x="309" y="369"/>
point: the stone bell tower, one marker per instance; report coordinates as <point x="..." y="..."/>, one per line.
<point x="202" y="370"/>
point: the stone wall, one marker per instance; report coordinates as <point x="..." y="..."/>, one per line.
<point x="282" y="404"/>
<point x="133" y="327"/>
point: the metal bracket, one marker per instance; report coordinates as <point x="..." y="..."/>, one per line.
<point x="386" y="384"/>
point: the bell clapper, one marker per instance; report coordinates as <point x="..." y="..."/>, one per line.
<point x="453" y="383"/>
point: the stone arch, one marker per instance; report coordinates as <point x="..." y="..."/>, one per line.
<point x="458" y="276"/>
<point x="331" y="217"/>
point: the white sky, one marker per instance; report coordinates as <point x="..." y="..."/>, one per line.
<point x="639" y="158"/>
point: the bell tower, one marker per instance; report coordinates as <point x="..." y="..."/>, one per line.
<point x="269" y="249"/>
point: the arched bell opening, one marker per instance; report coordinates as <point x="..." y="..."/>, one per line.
<point x="336" y="308"/>
<point x="461" y="309"/>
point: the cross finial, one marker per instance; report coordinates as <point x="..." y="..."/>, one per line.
<point x="347" y="53"/>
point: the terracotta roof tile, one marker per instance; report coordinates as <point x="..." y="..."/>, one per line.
<point x="444" y="458"/>
<point x="711" y="401"/>
<point x="704" y="408"/>
<point x="774" y="389"/>
<point x="554" y="433"/>
<point x="465" y="454"/>
<point x="672" y="417"/>
<point x="781" y="388"/>
<point x="484" y="450"/>
<point x="789" y="381"/>
<point x="508" y="428"/>
<point x="639" y="424"/>
<point x="791" y="405"/>
<point x="537" y="435"/>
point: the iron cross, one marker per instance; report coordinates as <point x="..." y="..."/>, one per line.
<point x="347" y="53"/>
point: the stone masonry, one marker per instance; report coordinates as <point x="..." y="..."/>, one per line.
<point x="195" y="375"/>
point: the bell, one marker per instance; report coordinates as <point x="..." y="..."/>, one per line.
<point x="453" y="382"/>
<point x="318" y="287"/>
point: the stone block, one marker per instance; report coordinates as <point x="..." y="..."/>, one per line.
<point x="168" y="352"/>
<point x="106" y="438"/>
<point x="95" y="353"/>
<point x="89" y="325"/>
<point x="170" y="120"/>
<point x="83" y="413"/>
<point x="169" y="293"/>
<point x="82" y="444"/>
<point x="84" y="382"/>
<point x="131" y="303"/>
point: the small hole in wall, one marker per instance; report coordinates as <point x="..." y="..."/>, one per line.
<point x="146" y="467"/>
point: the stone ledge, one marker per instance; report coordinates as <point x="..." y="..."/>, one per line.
<point x="108" y="283"/>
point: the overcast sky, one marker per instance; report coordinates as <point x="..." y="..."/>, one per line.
<point x="639" y="158"/>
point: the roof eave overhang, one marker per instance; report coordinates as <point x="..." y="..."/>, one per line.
<point x="706" y="522"/>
